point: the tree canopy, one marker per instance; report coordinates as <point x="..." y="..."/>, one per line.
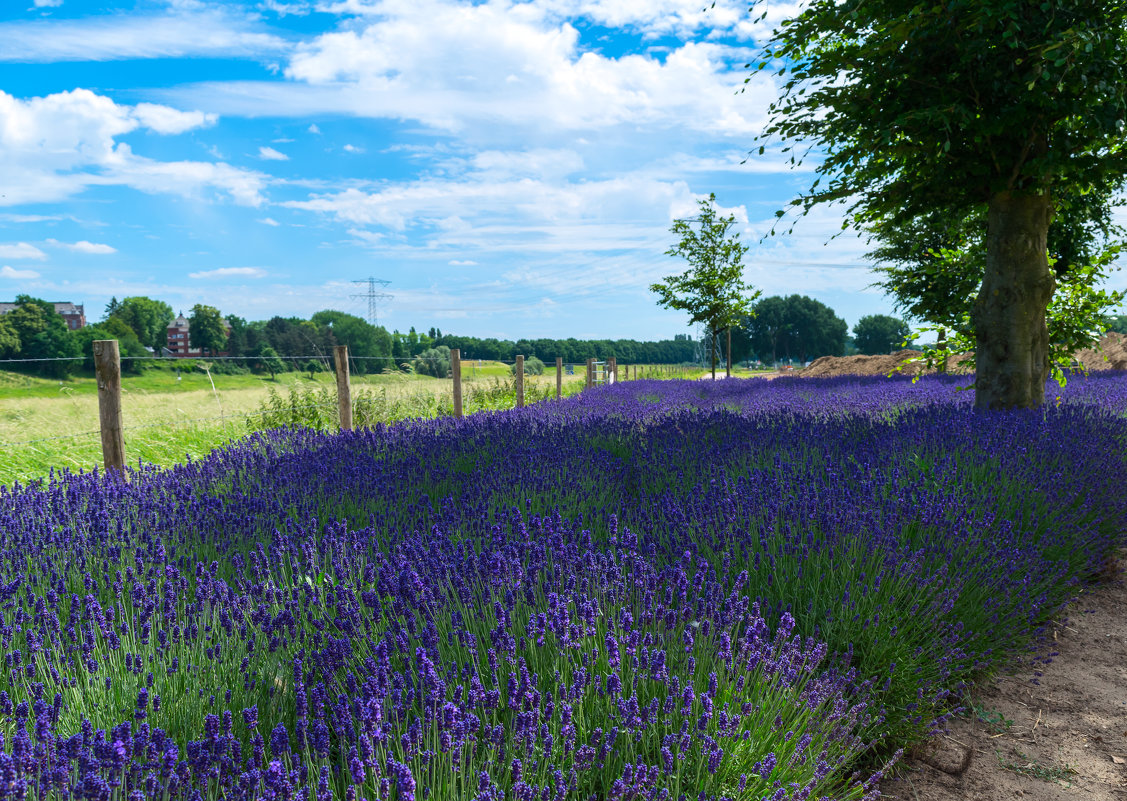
<point x="968" y="106"/>
<point x="794" y="327"/>
<point x="880" y="333"/>
<point x="205" y="328"/>
<point x="148" y="318"/>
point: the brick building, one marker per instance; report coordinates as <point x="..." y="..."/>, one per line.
<point x="73" y="313"/>
<point x="178" y="340"/>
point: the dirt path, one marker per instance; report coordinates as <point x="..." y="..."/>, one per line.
<point x="1060" y="735"/>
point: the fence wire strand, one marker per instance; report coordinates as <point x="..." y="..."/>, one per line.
<point x="167" y="424"/>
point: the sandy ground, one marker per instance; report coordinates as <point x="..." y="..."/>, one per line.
<point x="1046" y="732"/>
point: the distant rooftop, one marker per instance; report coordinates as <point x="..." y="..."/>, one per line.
<point x="61" y="306"/>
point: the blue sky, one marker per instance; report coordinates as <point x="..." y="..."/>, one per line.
<point x="512" y="168"/>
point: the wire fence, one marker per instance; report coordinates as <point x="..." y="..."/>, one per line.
<point x="166" y="424"/>
<point x="377" y="396"/>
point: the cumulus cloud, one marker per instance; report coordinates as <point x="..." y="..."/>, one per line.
<point x="22" y="250"/>
<point x="269" y="221"/>
<point x="56" y="146"/>
<point x="458" y="67"/>
<point x="270" y="154"/>
<point x="231" y="272"/>
<point x="9" y="272"/>
<point x="47" y="3"/>
<point x="462" y="263"/>
<point x="353" y="149"/>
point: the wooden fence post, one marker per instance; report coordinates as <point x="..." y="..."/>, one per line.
<point x="590" y="373"/>
<point x="559" y="377"/>
<point x="612" y="370"/>
<point x="520" y="381"/>
<point x="456" y="374"/>
<point x="107" y="365"/>
<point x="344" y="394"/>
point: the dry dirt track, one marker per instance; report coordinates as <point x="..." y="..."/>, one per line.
<point x="1064" y="737"/>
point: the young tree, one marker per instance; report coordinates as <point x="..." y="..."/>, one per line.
<point x="962" y="106"/>
<point x="879" y="333"/>
<point x="434" y="361"/>
<point x="205" y="328"/>
<point x="712" y="290"/>
<point x="267" y="359"/>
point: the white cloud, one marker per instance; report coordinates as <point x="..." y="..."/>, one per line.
<point x="231" y="272"/>
<point x="30" y="218"/>
<point x="499" y="65"/>
<point x="270" y="154"/>
<point x="353" y="149"/>
<point x="313" y="129"/>
<point x="83" y="246"/>
<point x="8" y="272"/>
<point x="536" y="163"/>
<point x="165" y="120"/>
<point x="47" y="3"/>
<point x="56" y="146"/>
<point x="185" y="32"/>
<point x="270" y="221"/>
<point x="569" y="226"/>
<point x="22" y="250"/>
<point x="462" y="263"/>
<point x="284" y="9"/>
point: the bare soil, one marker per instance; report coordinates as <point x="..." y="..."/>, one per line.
<point x="1049" y="731"/>
<point x="1112" y="356"/>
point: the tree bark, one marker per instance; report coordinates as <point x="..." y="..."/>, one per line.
<point x="712" y="351"/>
<point x="941" y="346"/>
<point x="1012" y="338"/>
<point x="728" y="368"/>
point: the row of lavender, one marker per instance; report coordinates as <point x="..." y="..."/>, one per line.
<point x="658" y="590"/>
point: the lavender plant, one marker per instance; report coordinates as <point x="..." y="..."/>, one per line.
<point x="655" y="590"/>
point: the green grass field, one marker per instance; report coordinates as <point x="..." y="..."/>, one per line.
<point x="51" y="424"/>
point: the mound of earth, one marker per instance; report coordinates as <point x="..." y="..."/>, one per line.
<point x="1112" y="356"/>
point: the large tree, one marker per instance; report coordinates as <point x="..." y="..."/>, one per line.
<point x="206" y="329"/>
<point x="148" y="318"/>
<point x="933" y="266"/>
<point x="712" y="290"/>
<point x="9" y="340"/>
<point x="43" y="336"/>
<point x="370" y="345"/>
<point x="963" y="106"/>
<point x="796" y="326"/>
<point x="880" y="333"/>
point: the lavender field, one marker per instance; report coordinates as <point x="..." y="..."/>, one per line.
<point x="655" y="590"/>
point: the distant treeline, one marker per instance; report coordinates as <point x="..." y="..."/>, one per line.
<point x="34" y="331"/>
<point x="678" y="350"/>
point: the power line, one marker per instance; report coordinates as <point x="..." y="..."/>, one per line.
<point x="373" y="296"/>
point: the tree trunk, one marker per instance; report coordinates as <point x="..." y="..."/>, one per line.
<point x="712" y="351"/>
<point x="728" y="369"/>
<point x="941" y="346"/>
<point x="1012" y="338"/>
